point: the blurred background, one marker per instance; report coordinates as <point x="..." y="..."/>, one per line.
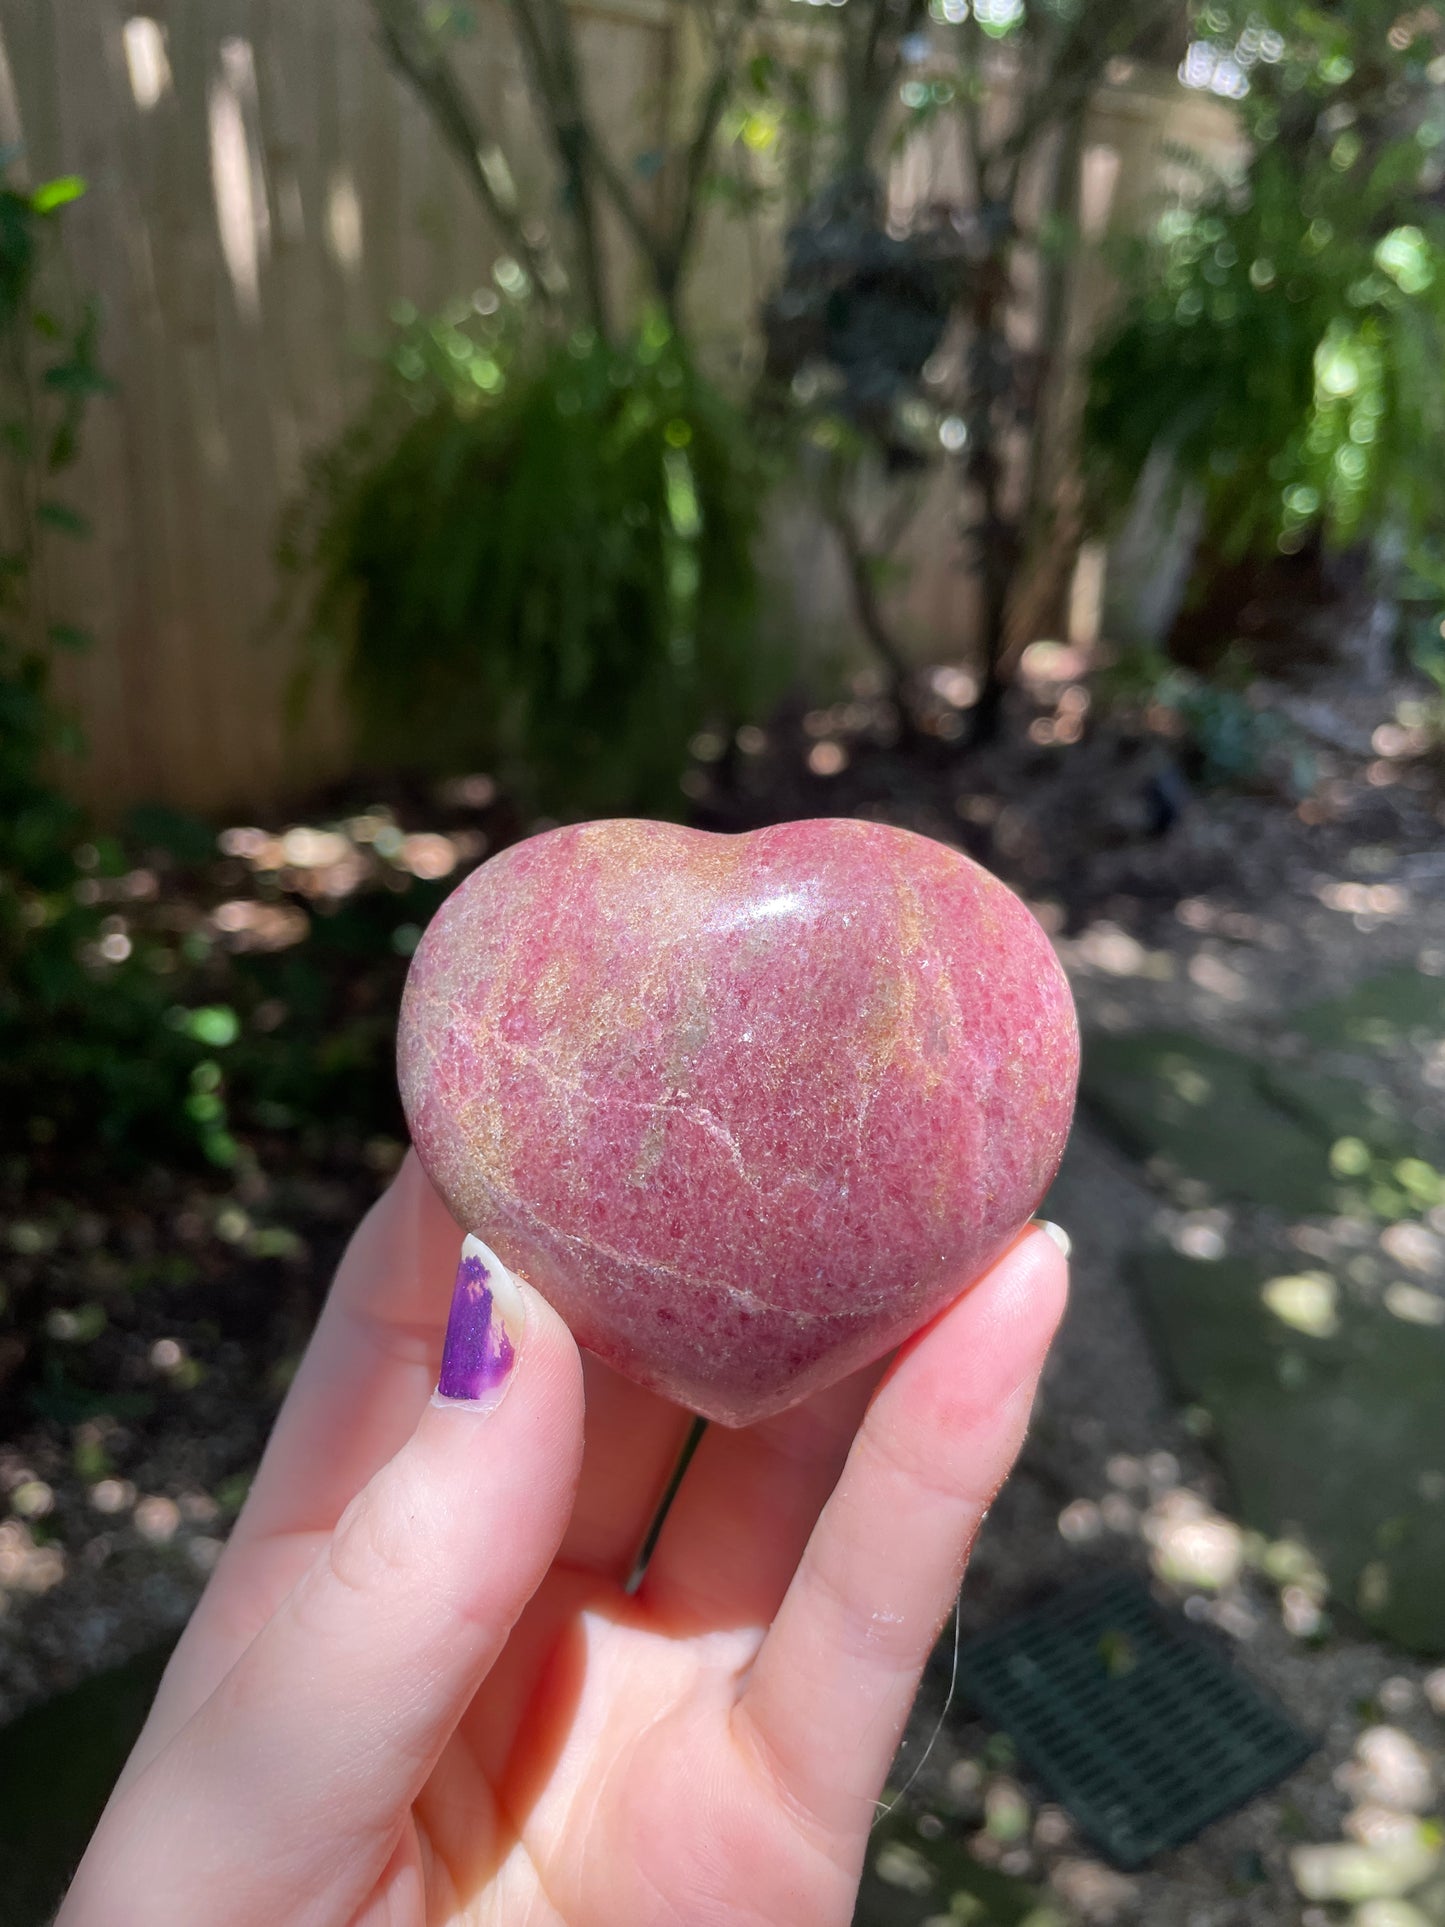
<point x="1017" y="420"/>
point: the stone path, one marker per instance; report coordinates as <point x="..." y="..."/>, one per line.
<point x="1248" y="1400"/>
<point x="1324" y="1385"/>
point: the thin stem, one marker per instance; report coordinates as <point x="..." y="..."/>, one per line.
<point x="695" y="1435"/>
<point x="673" y="258"/>
<point x="414" y="53"/>
<point x="609" y="175"/>
<point x="861" y="568"/>
<point x="1074" y="68"/>
<point x="552" y="70"/>
<point x="970" y="133"/>
<point x="1060" y="202"/>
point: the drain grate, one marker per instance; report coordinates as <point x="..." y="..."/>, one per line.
<point x="1134" y="1724"/>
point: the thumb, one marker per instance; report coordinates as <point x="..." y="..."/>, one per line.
<point x="295" y="1775"/>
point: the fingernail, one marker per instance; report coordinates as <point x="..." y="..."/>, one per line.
<point x="484" y="1331"/>
<point x="1057" y="1232"/>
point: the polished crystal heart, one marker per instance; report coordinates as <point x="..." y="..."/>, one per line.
<point x="748" y="1110"/>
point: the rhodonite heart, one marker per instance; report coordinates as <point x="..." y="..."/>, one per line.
<point x="747" y="1109"/>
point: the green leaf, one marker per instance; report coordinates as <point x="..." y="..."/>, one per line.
<point x="60" y="192"/>
<point x="78" y="377"/>
<point x="58" y="515"/>
<point x="68" y="635"/>
<point x="214" y="1024"/>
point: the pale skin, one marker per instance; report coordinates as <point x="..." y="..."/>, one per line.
<point x="417" y="1689"/>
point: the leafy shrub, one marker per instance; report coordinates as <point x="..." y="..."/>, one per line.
<point x="99" y="1049"/>
<point x="84" y="1046"/>
<point x="540" y="557"/>
<point x="147" y="1023"/>
<point x="131" y="1030"/>
<point x="1296" y="373"/>
<point x="1284" y="336"/>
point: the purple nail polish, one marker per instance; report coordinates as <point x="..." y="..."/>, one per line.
<point x="480" y="1348"/>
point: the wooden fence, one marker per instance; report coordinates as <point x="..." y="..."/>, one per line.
<point x="261" y="191"/>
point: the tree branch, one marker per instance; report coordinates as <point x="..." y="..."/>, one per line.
<point x="611" y="177"/>
<point x="699" y="147"/>
<point x="413" y="52"/>
<point x="554" y="82"/>
<point x="1074" y="70"/>
<point x="871" y="68"/>
<point x="866" y="600"/>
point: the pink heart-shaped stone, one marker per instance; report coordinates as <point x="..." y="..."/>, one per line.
<point x="748" y="1110"/>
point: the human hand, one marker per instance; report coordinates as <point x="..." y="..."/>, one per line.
<point x="418" y="1688"/>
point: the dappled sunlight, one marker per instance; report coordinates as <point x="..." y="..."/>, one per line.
<point x="25" y="1566"/>
<point x="112" y="1496"/>
<point x="827" y="759"/>
<point x="431" y="857"/>
<point x="1388" y="1770"/>
<point x="1223" y="980"/>
<point x="1095" y="1893"/>
<point x="345" y="226"/>
<point x="146" y="61"/>
<point x="1359" y="899"/>
<point x="1190" y="1543"/>
<point x="1306" y="1301"/>
<point x="1097" y="187"/>
<point x="1198" y="1234"/>
<point x="1312" y="1010"/>
<point x="1414" y="1304"/>
<point x="1046" y="668"/>
<point x="1106" y="948"/>
<point x="330" y="864"/>
<point x="958" y="687"/>
<point x="1420" y="1249"/>
<point x="243" y="220"/>
<point x="244" y="924"/>
<point x="157" y="1519"/>
<point x="1346" y="1871"/>
<point x="12" y="129"/>
<point x="474" y="792"/>
<point x="1066" y="725"/>
<point x="1389" y="1850"/>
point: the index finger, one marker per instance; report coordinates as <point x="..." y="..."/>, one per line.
<point x="361" y="1387"/>
<point x="834" y="1680"/>
<point x="355" y="1401"/>
<point x="369" y="1368"/>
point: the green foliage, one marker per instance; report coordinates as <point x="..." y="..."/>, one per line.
<point x="1284" y="337"/>
<point x="1232" y="739"/>
<point x="59" y="1037"/>
<point x="90" y="1053"/>
<point x="92" y="1050"/>
<point x="1422" y="609"/>
<point x="540" y="557"/>
<point x="143" y="1029"/>
<point x="1231" y="742"/>
<point x="1294" y="367"/>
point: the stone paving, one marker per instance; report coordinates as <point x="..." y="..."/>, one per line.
<point x="1248" y="1401"/>
<point x="1324" y="1391"/>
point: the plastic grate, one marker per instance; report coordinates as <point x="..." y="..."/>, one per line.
<point x="1134" y="1724"/>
